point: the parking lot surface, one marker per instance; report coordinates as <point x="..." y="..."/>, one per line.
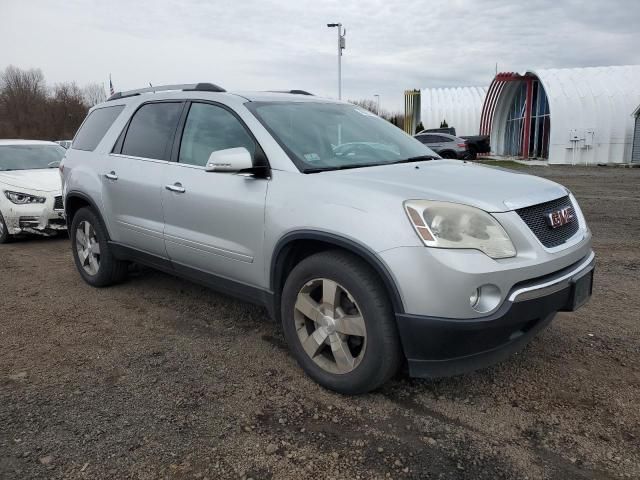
<point x="161" y="378"/>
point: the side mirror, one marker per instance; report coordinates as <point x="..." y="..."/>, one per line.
<point x="229" y="160"/>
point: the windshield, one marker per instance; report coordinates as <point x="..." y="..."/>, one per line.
<point x="329" y="136"/>
<point x="29" y="157"/>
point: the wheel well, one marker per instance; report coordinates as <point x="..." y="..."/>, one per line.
<point x="72" y="205"/>
<point x="448" y="152"/>
<point x="294" y="251"/>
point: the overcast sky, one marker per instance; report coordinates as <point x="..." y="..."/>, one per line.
<point x="266" y="44"/>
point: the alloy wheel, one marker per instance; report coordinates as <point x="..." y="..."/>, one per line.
<point x="330" y="326"/>
<point x="88" y="248"/>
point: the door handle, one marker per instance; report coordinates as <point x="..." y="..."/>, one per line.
<point x="111" y="175"/>
<point x="176" y="187"/>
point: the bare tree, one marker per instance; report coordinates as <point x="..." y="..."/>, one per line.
<point x="396" y="118"/>
<point x="66" y="110"/>
<point x="94" y="94"/>
<point x="23" y="95"/>
<point x="29" y="110"/>
<point x="370" y="105"/>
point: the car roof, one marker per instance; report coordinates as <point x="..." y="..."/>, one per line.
<point x="283" y="97"/>
<point x="27" y="142"/>
<point x="442" y="134"/>
<point x="175" y="92"/>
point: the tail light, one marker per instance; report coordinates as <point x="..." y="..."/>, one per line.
<point x="462" y="145"/>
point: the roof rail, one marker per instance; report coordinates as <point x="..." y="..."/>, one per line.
<point x="187" y="87"/>
<point x="294" y="92"/>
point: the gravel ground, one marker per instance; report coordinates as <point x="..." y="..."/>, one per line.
<point x="161" y="378"/>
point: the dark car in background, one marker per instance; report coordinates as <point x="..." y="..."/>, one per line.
<point x="475" y="143"/>
<point x="445" y="145"/>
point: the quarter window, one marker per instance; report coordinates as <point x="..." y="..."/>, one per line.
<point x="210" y="128"/>
<point x="94" y="127"/>
<point x="151" y="130"/>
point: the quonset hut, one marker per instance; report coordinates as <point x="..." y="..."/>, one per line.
<point x="573" y="116"/>
<point x="635" y="151"/>
<point x="460" y="107"/>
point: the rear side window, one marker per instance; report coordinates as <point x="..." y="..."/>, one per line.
<point x="94" y="127"/>
<point x="151" y="130"/>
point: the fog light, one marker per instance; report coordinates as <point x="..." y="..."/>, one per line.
<point x="485" y="298"/>
<point x="474" y="297"/>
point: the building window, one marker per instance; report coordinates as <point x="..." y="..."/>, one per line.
<point x="539" y="125"/>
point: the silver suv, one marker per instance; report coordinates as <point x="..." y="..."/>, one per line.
<point x="370" y="249"/>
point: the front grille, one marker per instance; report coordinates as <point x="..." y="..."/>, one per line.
<point x="534" y="217"/>
<point x="57" y="203"/>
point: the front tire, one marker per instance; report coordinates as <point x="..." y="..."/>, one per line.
<point x="339" y="323"/>
<point x="4" y="231"/>
<point x="91" y="251"/>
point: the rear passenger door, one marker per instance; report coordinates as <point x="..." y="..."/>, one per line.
<point x="214" y="222"/>
<point x="134" y="173"/>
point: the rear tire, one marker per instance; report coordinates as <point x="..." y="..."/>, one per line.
<point x="91" y="251"/>
<point x="352" y="346"/>
<point x="4" y="231"/>
<point x="449" y="154"/>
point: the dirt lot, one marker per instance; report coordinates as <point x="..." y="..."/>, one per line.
<point x="160" y="378"/>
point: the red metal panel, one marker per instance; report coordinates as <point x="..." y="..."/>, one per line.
<point x="491" y="100"/>
<point x="526" y="130"/>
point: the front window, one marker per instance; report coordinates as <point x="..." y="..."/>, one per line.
<point x="30" y="157"/>
<point x="331" y="136"/>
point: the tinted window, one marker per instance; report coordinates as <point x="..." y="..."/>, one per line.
<point x="442" y="139"/>
<point x="425" y="138"/>
<point x="95" y="126"/>
<point x="208" y="129"/>
<point x="151" y="130"/>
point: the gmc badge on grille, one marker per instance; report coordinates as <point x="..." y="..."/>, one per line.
<point x="558" y="218"/>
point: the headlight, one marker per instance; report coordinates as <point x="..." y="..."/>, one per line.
<point x="23" y="198"/>
<point x="451" y="225"/>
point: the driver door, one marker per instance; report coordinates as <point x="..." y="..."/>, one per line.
<point x="214" y="221"/>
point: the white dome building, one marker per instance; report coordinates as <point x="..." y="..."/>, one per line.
<point x="577" y="116"/>
<point x="459" y="106"/>
<point x="635" y="150"/>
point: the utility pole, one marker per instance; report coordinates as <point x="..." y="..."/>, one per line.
<point x="377" y="96"/>
<point x="341" y="46"/>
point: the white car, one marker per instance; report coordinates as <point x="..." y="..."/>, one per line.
<point x="30" y="188"/>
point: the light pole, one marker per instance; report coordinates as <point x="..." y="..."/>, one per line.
<point x="341" y="46"/>
<point x="377" y="97"/>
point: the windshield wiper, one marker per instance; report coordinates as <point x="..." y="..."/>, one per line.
<point x="342" y="167"/>
<point x="419" y="158"/>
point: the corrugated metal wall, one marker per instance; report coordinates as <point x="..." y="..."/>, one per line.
<point x="459" y="106"/>
<point x="635" y="155"/>
<point x="592" y="104"/>
<point x="411" y="110"/>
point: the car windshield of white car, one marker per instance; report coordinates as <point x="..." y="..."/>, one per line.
<point x="332" y="136"/>
<point x="30" y="157"/>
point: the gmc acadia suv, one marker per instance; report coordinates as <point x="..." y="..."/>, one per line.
<point x="369" y="248"/>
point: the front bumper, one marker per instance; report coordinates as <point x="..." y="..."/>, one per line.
<point x="437" y="347"/>
<point x="41" y="218"/>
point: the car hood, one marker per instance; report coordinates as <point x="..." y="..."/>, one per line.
<point x="492" y="189"/>
<point x="44" y="180"/>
